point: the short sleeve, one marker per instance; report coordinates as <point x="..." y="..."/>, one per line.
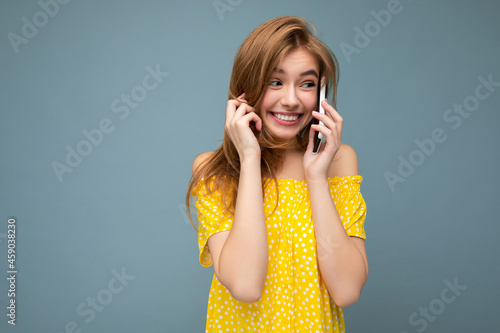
<point x="350" y="204"/>
<point x="211" y="219"/>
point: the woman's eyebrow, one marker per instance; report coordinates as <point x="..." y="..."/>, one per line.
<point x="308" y="72"/>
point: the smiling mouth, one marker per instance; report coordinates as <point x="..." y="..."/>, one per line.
<point x="286" y="117"/>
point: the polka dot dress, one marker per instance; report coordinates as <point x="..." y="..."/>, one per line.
<point x="295" y="298"/>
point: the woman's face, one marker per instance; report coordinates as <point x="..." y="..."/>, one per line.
<point x="291" y="95"/>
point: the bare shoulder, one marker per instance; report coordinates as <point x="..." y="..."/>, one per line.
<point x="345" y="162"/>
<point x="201" y="158"/>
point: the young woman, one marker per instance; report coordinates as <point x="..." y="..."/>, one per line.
<point x="283" y="227"/>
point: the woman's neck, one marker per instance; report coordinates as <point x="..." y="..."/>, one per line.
<point x="292" y="166"/>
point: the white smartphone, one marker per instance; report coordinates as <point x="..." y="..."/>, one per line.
<point x="318" y="136"/>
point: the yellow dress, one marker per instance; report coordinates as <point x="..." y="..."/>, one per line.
<point x="295" y="298"/>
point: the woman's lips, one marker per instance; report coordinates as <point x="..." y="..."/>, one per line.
<point x="287" y="118"/>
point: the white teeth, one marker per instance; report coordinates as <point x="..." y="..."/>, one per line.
<point x="287" y="118"/>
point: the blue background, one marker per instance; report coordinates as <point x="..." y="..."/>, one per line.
<point x="120" y="210"/>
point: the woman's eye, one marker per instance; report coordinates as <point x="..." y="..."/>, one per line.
<point x="275" y="83"/>
<point x="310" y="84"/>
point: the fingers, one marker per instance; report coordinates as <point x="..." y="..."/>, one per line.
<point x="239" y="116"/>
<point x="237" y="110"/>
<point x="239" y="113"/>
<point x="332" y="120"/>
<point x="329" y="126"/>
<point x="332" y="128"/>
<point x="331" y="111"/>
<point x="252" y="116"/>
<point x="235" y="105"/>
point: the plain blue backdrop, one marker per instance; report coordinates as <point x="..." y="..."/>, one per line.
<point x="104" y="106"/>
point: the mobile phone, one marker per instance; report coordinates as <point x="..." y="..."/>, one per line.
<point x="318" y="136"/>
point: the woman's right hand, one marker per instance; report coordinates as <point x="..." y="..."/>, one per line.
<point x="239" y="115"/>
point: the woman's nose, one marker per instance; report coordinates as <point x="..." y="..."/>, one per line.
<point x="289" y="98"/>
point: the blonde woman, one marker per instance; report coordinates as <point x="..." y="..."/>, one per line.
<point x="283" y="227"/>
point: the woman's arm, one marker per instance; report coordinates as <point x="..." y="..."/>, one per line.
<point x="342" y="259"/>
<point x="240" y="262"/>
<point x="243" y="259"/>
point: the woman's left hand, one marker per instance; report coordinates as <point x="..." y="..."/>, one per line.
<point x="316" y="165"/>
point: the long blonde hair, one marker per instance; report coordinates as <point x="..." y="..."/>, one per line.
<point x="261" y="52"/>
